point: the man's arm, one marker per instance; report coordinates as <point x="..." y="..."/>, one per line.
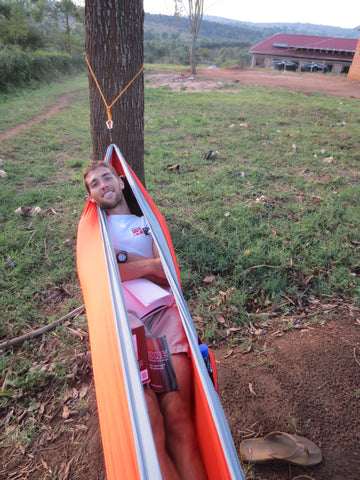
<point x="137" y="266"/>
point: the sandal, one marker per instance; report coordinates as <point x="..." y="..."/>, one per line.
<point x="283" y="447"/>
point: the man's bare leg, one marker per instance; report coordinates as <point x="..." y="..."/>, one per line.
<point x="168" y="470"/>
<point x="181" y="441"/>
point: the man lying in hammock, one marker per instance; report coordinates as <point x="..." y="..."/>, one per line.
<point x="137" y="255"/>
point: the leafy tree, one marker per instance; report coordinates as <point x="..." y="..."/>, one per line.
<point x="33" y="24"/>
<point x="68" y="8"/>
<point x="54" y="22"/>
<point x="204" y="54"/>
<point x="38" y="9"/>
<point x="18" y="22"/>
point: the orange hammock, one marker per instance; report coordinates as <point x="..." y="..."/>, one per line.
<point x="125" y="428"/>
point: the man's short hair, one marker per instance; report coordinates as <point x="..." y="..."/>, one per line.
<point x="93" y="166"/>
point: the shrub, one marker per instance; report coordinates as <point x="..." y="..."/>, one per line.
<point x="19" y="68"/>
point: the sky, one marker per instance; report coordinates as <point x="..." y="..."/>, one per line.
<point x="345" y="14"/>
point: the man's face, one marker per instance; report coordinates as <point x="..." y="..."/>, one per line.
<point x="105" y="188"/>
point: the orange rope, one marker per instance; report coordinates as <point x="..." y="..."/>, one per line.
<point x="108" y="107"/>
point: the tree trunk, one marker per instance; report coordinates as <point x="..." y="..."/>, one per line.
<point x="68" y="32"/>
<point x="192" y="54"/>
<point x="114" y="32"/>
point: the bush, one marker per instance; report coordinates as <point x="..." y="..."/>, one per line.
<point x="19" y="68"/>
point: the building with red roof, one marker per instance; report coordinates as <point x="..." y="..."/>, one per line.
<point x="304" y="53"/>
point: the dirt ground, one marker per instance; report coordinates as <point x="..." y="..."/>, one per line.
<point x="207" y="79"/>
<point x="304" y="381"/>
<point x="297" y="374"/>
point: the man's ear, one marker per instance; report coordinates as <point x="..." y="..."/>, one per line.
<point x="91" y="199"/>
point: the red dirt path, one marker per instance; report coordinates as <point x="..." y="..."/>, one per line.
<point x="62" y="102"/>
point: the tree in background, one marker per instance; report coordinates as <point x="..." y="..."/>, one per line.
<point x="18" y="20"/>
<point x="68" y="8"/>
<point x="34" y="24"/>
<point x="194" y="9"/>
<point x="114" y="33"/>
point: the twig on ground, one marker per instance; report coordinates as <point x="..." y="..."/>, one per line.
<point x="40" y="331"/>
<point x="8" y="373"/>
<point x="356" y="360"/>
<point x="250" y="269"/>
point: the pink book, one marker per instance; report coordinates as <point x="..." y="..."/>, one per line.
<point x="144" y="297"/>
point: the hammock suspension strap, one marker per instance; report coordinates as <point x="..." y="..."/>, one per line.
<point x="109" y="122"/>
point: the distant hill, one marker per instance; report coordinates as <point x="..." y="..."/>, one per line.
<point x="165" y="26"/>
<point x="298" y="28"/>
<point x="221" y="42"/>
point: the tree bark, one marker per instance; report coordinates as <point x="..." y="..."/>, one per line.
<point x="114" y="32"/>
<point x="193" y="53"/>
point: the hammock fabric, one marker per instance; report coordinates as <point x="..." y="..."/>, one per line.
<point x="128" y="444"/>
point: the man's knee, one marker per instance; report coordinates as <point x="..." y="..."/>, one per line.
<point x="178" y="421"/>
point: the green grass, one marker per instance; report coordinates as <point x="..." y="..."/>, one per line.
<point x="271" y="215"/>
<point x="270" y="196"/>
<point x="23" y="105"/>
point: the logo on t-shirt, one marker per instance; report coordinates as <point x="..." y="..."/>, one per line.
<point x="140" y="231"/>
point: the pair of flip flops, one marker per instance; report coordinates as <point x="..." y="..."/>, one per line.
<point x="280" y="446"/>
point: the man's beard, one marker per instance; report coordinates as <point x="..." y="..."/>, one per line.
<point x="108" y="204"/>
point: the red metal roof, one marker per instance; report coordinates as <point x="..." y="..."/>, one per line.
<point x="306" y="46"/>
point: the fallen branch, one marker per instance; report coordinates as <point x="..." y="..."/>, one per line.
<point x="40" y="331"/>
<point x="8" y="373"/>
<point x="356" y="360"/>
<point x="258" y="266"/>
